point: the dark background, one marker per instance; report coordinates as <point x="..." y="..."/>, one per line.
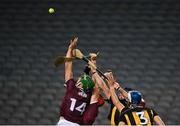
<point x="138" y="39"/>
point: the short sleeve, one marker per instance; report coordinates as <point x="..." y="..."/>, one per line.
<point x="153" y="113"/>
<point x="109" y="101"/>
<point x="124" y="109"/>
<point x="122" y="118"/>
<point x="70" y="84"/>
<point x="90" y="114"/>
<point x="122" y="115"/>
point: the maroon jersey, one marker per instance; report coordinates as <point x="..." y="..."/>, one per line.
<point x="90" y="114"/>
<point x="74" y="103"/>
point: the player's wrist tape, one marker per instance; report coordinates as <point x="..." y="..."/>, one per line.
<point x="119" y="88"/>
<point x="93" y="73"/>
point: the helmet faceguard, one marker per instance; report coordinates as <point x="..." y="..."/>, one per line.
<point x="87" y="83"/>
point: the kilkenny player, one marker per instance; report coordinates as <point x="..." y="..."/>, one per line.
<point x="114" y="114"/>
<point x="135" y="114"/>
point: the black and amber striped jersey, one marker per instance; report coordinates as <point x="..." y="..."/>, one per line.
<point x="137" y="116"/>
<point x="114" y="114"/>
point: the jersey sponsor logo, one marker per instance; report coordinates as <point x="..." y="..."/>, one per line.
<point x="83" y="94"/>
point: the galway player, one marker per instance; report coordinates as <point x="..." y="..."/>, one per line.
<point x="80" y="96"/>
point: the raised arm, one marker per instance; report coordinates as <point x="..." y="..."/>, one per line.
<point x="122" y="91"/>
<point x="114" y="97"/>
<point x="101" y="84"/>
<point x="68" y="64"/>
<point x="98" y="80"/>
<point x="95" y="94"/>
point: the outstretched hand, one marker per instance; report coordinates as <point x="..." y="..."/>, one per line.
<point x="73" y="42"/>
<point x="92" y="62"/>
<point x="111" y="81"/>
<point x="93" y="58"/>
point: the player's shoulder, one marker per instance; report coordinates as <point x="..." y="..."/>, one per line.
<point x="148" y="108"/>
<point x="125" y="110"/>
<point x="132" y="109"/>
<point x="70" y="81"/>
<point x="70" y="84"/>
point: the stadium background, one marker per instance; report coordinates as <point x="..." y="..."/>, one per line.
<point x="138" y="39"/>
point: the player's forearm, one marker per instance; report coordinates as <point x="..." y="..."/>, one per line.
<point x="68" y="66"/>
<point x="123" y="92"/>
<point x="101" y="84"/>
<point x="115" y="99"/>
